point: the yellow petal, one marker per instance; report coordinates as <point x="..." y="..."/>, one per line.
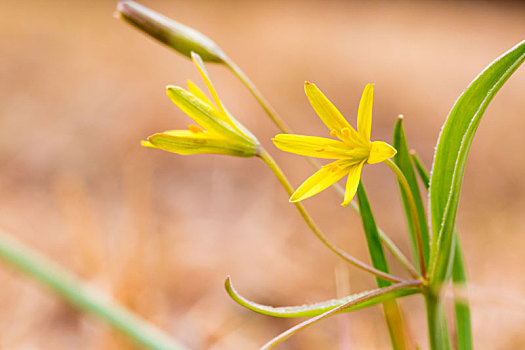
<point x="364" y="114"/>
<point x="186" y="142"/>
<point x="203" y="114"/>
<point x="197" y="92"/>
<point x="312" y="146"/>
<point x="148" y="144"/>
<point x="332" y="118"/>
<point x="204" y="74"/>
<point x="223" y="112"/>
<point x="323" y="178"/>
<point x="380" y="151"/>
<point x="354" y="174"/>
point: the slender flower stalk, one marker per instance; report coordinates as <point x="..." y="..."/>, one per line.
<point x="185" y="39"/>
<point x="412" y="203"/>
<point x="267" y="158"/>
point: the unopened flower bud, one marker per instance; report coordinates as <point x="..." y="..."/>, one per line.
<point x="174" y="34"/>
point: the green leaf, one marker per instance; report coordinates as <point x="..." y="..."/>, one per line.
<point x="404" y="162"/>
<point x="451" y="156"/>
<point x="421" y="170"/>
<point x="459" y="278"/>
<point x="316" y="309"/>
<point x="393" y="317"/>
<point x="461" y="306"/>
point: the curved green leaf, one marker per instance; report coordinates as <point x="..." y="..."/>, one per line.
<point x="451" y="155"/>
<point x="459" y="278"/>
<point x="310" y="310"/>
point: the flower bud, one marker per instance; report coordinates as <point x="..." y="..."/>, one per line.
<point x="174" y="34"/>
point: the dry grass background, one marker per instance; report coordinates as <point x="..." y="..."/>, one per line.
<point x="79" y="89"/>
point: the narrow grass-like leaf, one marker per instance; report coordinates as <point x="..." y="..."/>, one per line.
<point x="459" y="278"/>
<point x="404" y="162"/>
<point x="461" y="306"/>
<point x="421" y="170"/>
<point x="310" y="310"/>
<point x="368" y="296"/>
<point x="83" y="296"/>
<point x="393" y="317"/>
<point x="451" y="156"/>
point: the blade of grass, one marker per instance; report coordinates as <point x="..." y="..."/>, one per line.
<point x="451" y="156"/>
<point x="83" y="296"/>
<point x="370" y="295"/>
<point x="404" y="162"/>
<point x="459" y="278"/>
<point x="393" y="317"/>
<point x="461" y="306"/>
<point x="310" y="310"/>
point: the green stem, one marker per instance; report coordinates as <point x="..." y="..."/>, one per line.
<point x="413" y="209"/>
<point x="82" y="295"/>
<point x="267" y="158"/>
<point x="236" y="70"/>
<point x="437" y="324"/>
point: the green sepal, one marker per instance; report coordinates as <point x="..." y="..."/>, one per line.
<point x="186" y="143"/>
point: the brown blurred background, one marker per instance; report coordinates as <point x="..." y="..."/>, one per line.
<point x="79" y="90"/>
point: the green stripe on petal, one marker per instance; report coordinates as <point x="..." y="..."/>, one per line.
<point x="312" y="146"/>
<point x="354" y="175"/>
<point x="330" y="116"/>
<point x="186" y="142"/>
<point x="380" y="151"/>
<point x="364" y="113"/>
<point x="322" y="179"/>
<point x="204" y="115"/>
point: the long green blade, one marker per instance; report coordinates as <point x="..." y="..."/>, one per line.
<point x="393" y="317"/>
<point x="83" y="296"/>
<point x="451" y="156"/>
<point x="404" y="162"/>
<point x="461" y="305"/>
<point x="316" y="309"/>
<point x="459" y="278"/>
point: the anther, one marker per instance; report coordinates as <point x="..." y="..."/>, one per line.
<point x="320" y="150"/>
<point x="333" y="133"/>
<point x="345" y="132"/>
<point x="194" y="129"/>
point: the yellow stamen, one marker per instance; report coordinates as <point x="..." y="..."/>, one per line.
<point x="194" y="129"/>
<point x="320" y="150"/>
<point x="333" y="133"/>
<point x="345" y="132"/>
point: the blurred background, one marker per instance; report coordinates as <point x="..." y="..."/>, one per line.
<point x="79" y="89"/>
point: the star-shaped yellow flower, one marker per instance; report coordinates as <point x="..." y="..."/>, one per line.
<point x="352" y="150"/>
<point x="218" y="132"/>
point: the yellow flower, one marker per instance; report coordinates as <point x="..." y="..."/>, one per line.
<point x="218" y="132"/>
<point x="352" y="150"/>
